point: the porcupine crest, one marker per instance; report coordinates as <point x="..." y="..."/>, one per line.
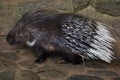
<point x="87" y="38"/>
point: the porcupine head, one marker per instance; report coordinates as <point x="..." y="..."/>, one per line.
<point x="18" y="34"/>
<point x="29" y="35"/>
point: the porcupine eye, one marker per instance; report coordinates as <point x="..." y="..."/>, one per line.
<point x="18" y="37"/>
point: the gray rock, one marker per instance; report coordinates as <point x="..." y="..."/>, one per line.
<point x="51" y="72"/>
<point x="116" y="26"/>
<point x="96" y="65"/>
<point x="79" y="4"/>
<point x="27" y="64"/>
<point x="2" y="67"/>
<point x="28" y="75"/>
<point x="84" y="77"/>
<point x="10" y="56"/>
<point x="110" y="7"/>
<point x="7" y="75"/>
<point x="102" y="73"/>
<point x="59" y="5"/>
<point x="8" y="64"/>
<point x="116" y="78"/>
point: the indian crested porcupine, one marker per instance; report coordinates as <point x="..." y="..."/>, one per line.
<point x="70" y="35"/>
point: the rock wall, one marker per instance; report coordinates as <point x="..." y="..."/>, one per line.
<point x="106" y="11"/>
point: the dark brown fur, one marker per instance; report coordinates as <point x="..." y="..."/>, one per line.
<point x="44" y="26"/>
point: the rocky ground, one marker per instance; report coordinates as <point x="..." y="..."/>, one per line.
<point x="17" y="63"/>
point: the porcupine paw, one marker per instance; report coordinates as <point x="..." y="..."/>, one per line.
<point x="66" y="60"/>
<point x="63" y="61"/>
<point x="40" y="60"/>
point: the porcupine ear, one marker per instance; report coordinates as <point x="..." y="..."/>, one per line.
<point x="102" y="44"/>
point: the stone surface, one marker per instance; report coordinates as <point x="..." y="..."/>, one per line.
<point x="60" y="5"/>
<point x="27" y="64"/>
<point x="102" y="73"/>
<point x="2" y="67"/>
<point x="79" y="4"/>
<point x="115" y="25"/>
<point x="96" y="65"/>
<point x="72" y="68"/>
<point x="84" y="77"/>
<point x="28" y="75"/>
<point x="51" y="72"/>
<point x="7" y="75"/>
<point x="10" y="56"/>
<point x="8" y="64"/>
<point x="116" y="78"/>
<point x="110" y="7"/>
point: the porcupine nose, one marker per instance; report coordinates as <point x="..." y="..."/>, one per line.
<point x="10" y="40"/>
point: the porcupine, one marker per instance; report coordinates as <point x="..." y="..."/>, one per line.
<point x="70" y="35"/>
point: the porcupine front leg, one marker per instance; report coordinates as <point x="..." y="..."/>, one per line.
<point x="40" y="54"/>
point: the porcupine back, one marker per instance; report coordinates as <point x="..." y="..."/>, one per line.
<point x="87" y="38"/>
